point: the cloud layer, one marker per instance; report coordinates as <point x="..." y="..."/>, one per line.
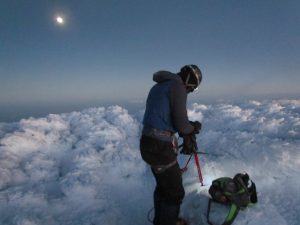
<point x="85" y="167"/>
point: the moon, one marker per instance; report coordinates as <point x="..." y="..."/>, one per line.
<point x="60" y="20"/>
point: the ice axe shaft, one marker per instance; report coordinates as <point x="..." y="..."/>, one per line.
<point x="185" y="168"/>
<point x="195" y="153"/>
<point x="198" y="168"/>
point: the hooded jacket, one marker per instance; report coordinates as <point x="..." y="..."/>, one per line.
<point x="166" y="104"/>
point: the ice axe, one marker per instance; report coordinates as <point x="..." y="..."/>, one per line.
<point x="185" y="168"/>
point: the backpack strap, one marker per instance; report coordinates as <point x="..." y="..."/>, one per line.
<point x="233" y="212"/>
<point x="208" y="211"/>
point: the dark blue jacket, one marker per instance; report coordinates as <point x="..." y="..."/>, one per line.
<point x="166" y="104"/>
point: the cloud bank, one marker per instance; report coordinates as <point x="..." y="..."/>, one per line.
<point x="85" y="167"/>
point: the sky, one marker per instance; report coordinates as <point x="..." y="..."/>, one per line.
<point x="107" y="50"/>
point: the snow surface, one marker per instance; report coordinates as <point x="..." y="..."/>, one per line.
<point x="85" y="167"/>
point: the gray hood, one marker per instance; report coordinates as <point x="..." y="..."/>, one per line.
<point x="161" y="76"/>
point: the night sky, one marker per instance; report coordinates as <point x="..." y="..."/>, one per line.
<point x="106" y="51"/>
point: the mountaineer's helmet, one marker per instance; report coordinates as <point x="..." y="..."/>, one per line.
<point x="191" y="76"/>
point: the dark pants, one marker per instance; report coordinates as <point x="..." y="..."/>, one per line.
<point x="169" y="190"/>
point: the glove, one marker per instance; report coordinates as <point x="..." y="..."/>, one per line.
<point x="189" y="145"/>
<point x="197" y="126"/>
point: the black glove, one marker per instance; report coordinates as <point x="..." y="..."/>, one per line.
<point x="197" y="126"/>
<point x="189" y="145"/>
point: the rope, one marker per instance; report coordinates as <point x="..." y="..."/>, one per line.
<point x="185" y="168"/>
<point x="149" y="214"/>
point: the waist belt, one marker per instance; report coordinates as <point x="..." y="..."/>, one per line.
<point x="158" y="169"/>
<point x="162" y="135"/>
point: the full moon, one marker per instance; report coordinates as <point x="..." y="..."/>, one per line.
<point x="59" y="20"/>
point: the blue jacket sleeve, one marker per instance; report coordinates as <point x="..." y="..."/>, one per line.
<point x="178" y="99"/>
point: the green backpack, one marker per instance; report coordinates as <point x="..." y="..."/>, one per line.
<point x="238" y="192"/>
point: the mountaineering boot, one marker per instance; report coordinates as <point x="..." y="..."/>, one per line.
<point x="181" y="221"/>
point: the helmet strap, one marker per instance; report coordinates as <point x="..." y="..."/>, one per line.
<point x="187" y="79"/>
<point x="194" y="72"/>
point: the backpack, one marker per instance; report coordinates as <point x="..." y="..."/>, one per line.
<point x="238" y="192"/>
